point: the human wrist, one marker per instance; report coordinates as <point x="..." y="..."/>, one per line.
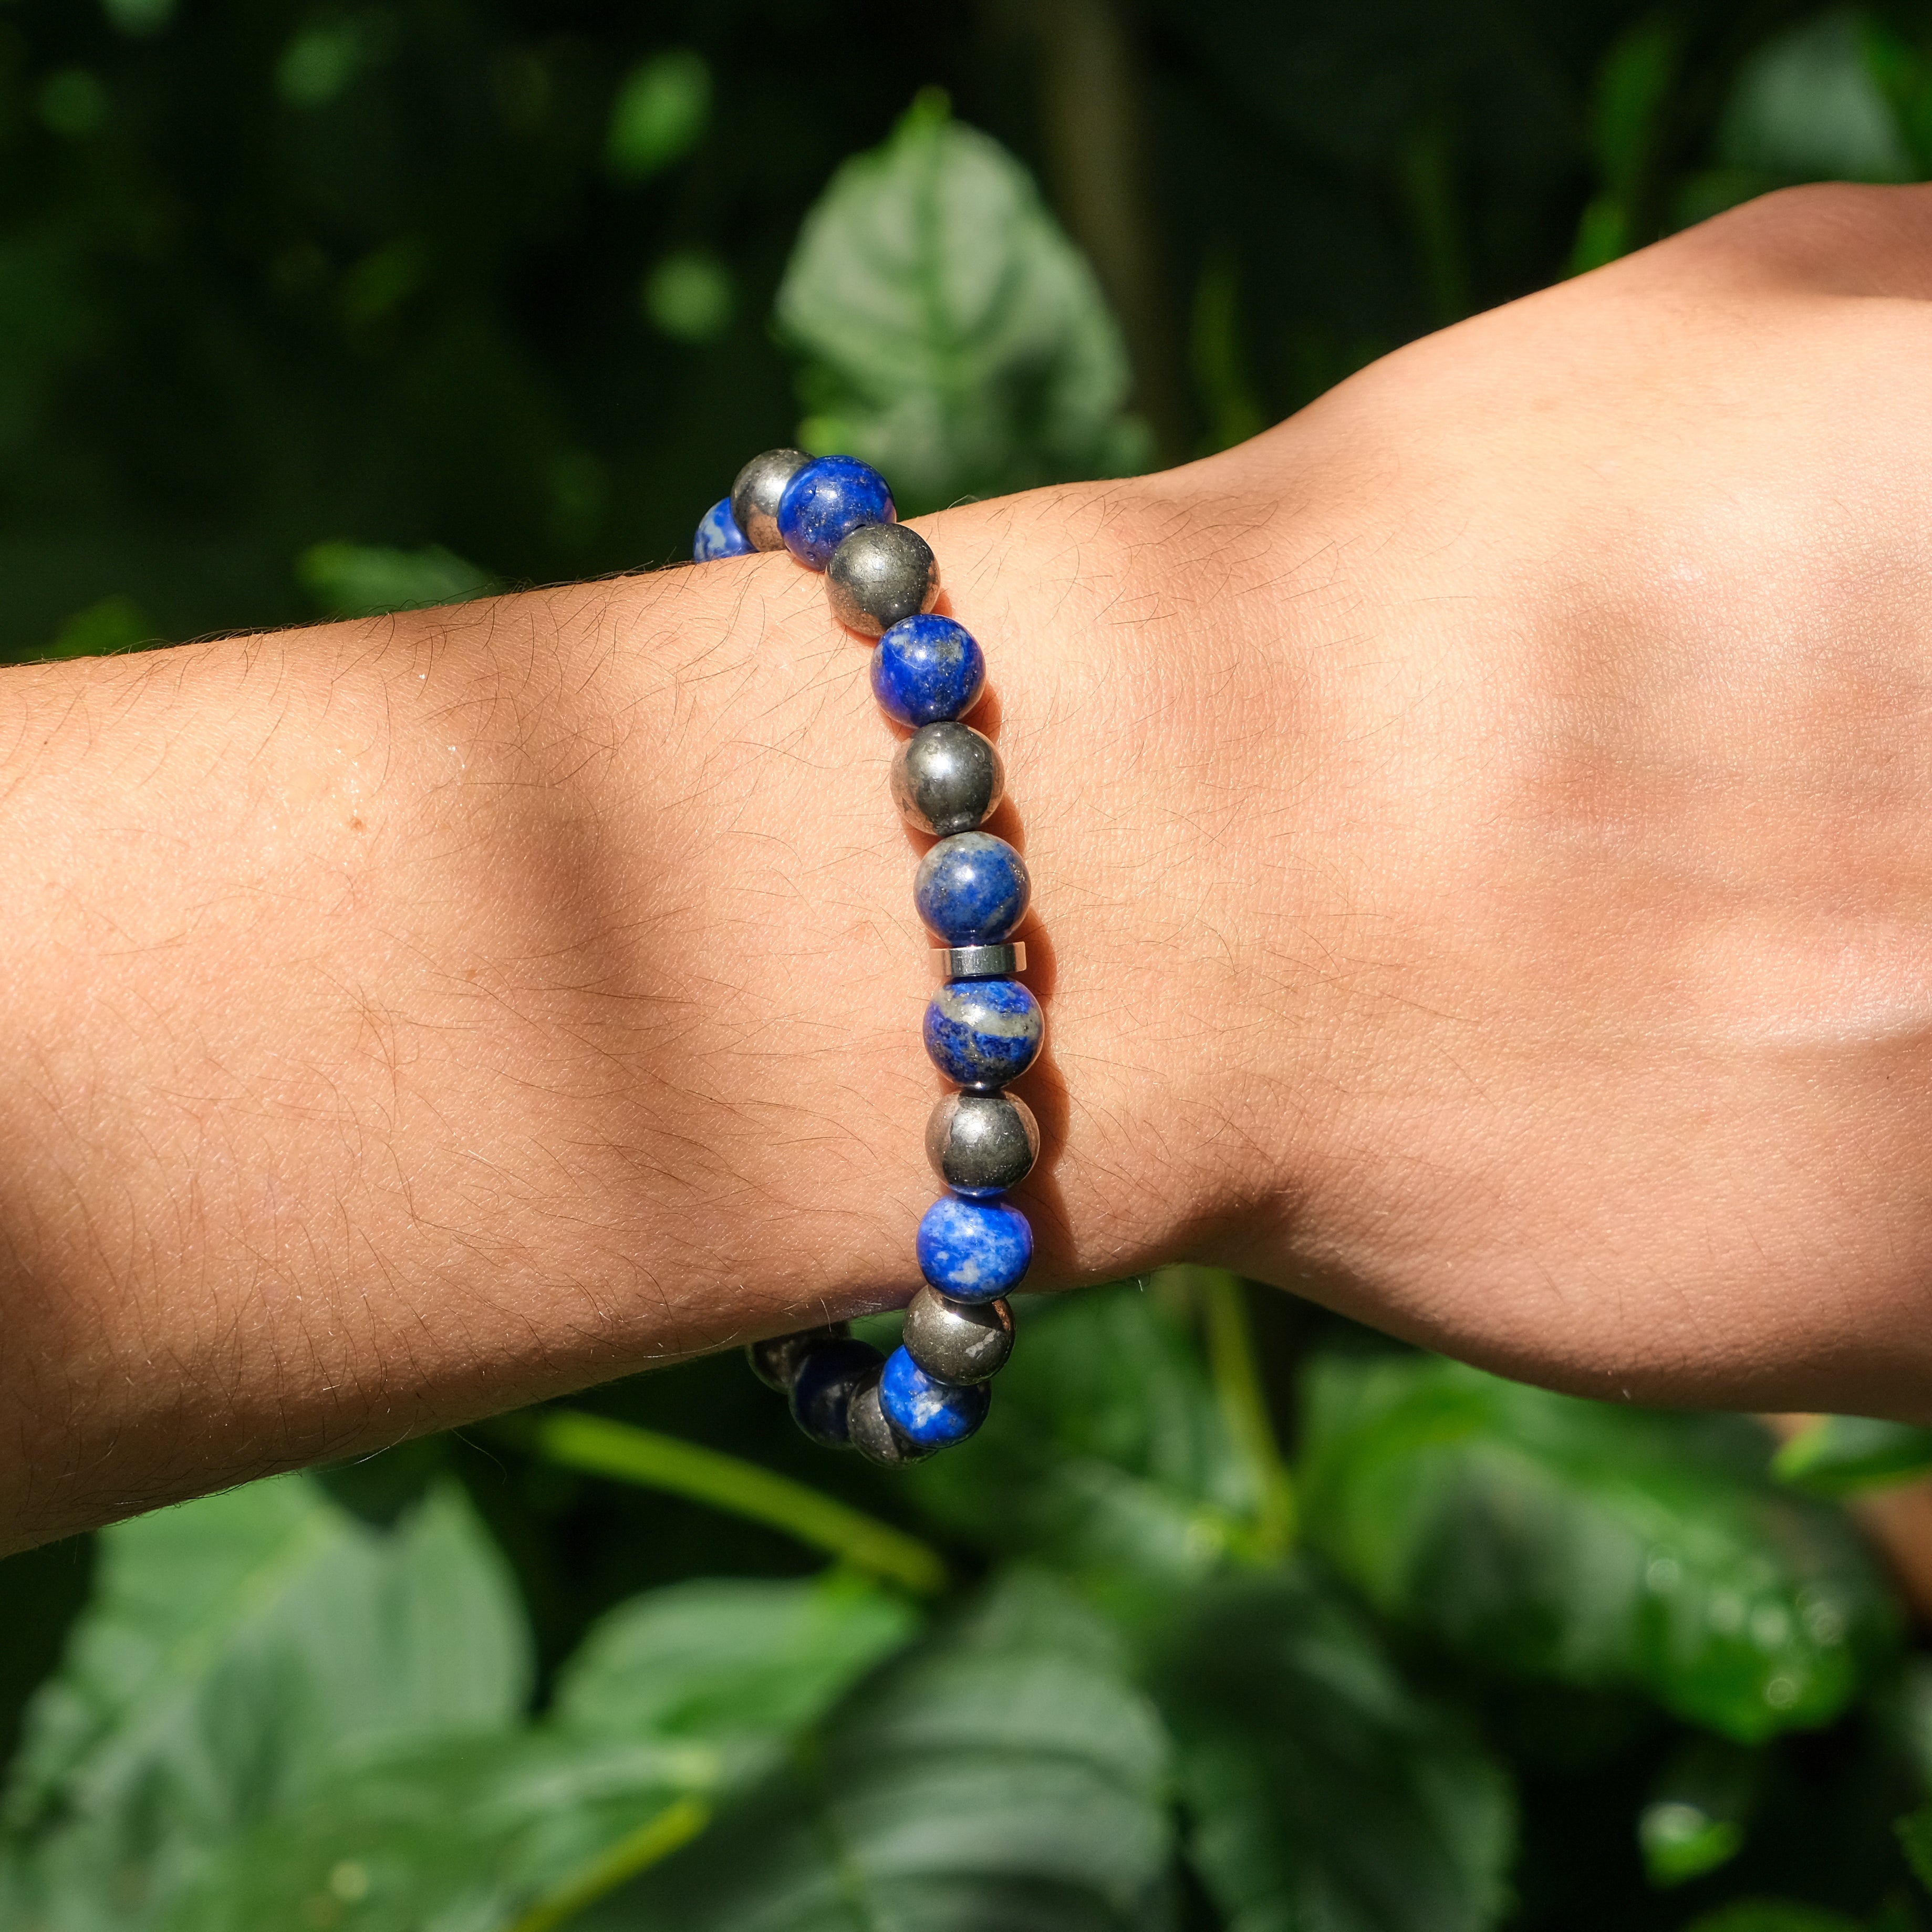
<point x="1096" y="703"/>
<point x="1160" y="717"/>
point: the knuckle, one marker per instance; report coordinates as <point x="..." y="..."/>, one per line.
<point x="1822" y="228"/>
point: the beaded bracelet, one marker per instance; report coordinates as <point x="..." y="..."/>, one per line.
<point x="982" y="1028"/>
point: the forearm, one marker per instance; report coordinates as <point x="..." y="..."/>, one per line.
<point x="1477" y="839"/>
<point x="406" y="1019"/>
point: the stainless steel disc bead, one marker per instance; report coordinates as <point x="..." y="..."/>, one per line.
<point x="755" y="496"/>
<point x="775" y="1361"/>
<point x="957" y="1342"/>
<point x="982" y="1144"/>
<point x="880" y="574"/>
<point x="873" y="1436"/>
<point x="981" y="962"/>
<point x="947" y="778"/>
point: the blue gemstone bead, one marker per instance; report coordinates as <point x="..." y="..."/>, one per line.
<point x="972" y="889"/>
<point x="825" y="1382"/>
<point x="933" y="1414"/>
<point x="719" y="534"/>
<point x="826" y="501"/>
<point x="983" y="1032"/>
<point x="973" y="1250"/>
<point x="926" y="669"/>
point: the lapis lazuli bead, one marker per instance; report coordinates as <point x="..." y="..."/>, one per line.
<point x="825" y="1380"/>
<point x="927" y="669"/>
<point x="972" y="889"/>
<point x="932" y="1414"/>
<point x="826" y="501"/>
<point x="973" y="1250"/>
<point x="719" y="534"/>
<point x="983" y="1032"/>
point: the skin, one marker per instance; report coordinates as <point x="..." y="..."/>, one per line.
<point x="1482" y="873"/>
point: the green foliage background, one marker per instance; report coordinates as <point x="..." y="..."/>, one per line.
<point x="1234" y="1616"/>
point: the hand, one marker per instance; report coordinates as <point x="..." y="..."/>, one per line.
<point x="1541" y="726"/>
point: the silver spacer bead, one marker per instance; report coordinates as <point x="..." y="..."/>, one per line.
<point x="880" y="574"/>
<point x="957" y="1342"/>
<point x="755" y="496"/>
<point x="981" y="962"/>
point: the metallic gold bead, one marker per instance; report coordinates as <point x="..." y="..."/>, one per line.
<point x="947" y="778"/>
<point x="879" y="575"/>
<point x="775" y="1361"/>
<point x="755" y="496"/>
<point x="962" y="1343"/>
<point x="981" y="1144"/>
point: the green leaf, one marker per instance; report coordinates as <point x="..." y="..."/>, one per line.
<point x="1008" y="1774"/>
<point x="1904" y="73"/>
<point x="678" y="1695"/>
<point x="1633" y="87"/>
<point x="735" y="1663"/>
<point x="140" y="17"/>
<point x="370" y="293"/>
<point x="1710" y="190"/>
<point x="364" y="580"/>
<point x="1841" y="1455"/>
<point x="1681" y="1841"/>
<point x="954" y="336"/>
<point x="689" y="295"/>
<point x="463" y="1833"/>
<point x="661" y="113"/>
<point x="1915" y="1834"/>
<point x="1320" y="1790"/>
<point x="1698" y="1808"/>
<point x="1771" y="1914"/>
<point x="1602" y="233"/>
<point x="1218" y="356"/>
<point x="1604" y="1546"/>
<point x="112" y="624"/>
<point x="72" y="102"/>
<point x="235" y="1650"/>
<point x="1904" y="1708"/>
<point x="1106" y="1450"/>
<point x="1807" y="106"/>
<point x="318" y="65"/>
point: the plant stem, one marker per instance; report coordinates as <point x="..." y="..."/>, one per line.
<point x="1094" y="123"/>
<point x="656" y="1838"/>
<point x="599" y="1446"/>
<point x="1231" y="1355"/>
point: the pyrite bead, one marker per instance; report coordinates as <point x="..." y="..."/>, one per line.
<point x="826" y="501"/>
<point x="756" y="495"/>
<point x="972" y="889"/>
<point x="982" y="1144"/>
<point x="973" y="1250"/>
<point x="928" y="1413"/>
<point x="881" y="574"/>
<point x="983" y="1032"/>
<point x="718" y="535"/>
<point x="775" y="1360"/>
<point x="873" y="1436"/>
<point x="959" y="1341"/>
<point x="825" y="1382"/>
<point x="927" y="668"/>
<point x="947" y="778"/>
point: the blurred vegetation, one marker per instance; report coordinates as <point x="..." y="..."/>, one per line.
<point x="1234" y="1616"/>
